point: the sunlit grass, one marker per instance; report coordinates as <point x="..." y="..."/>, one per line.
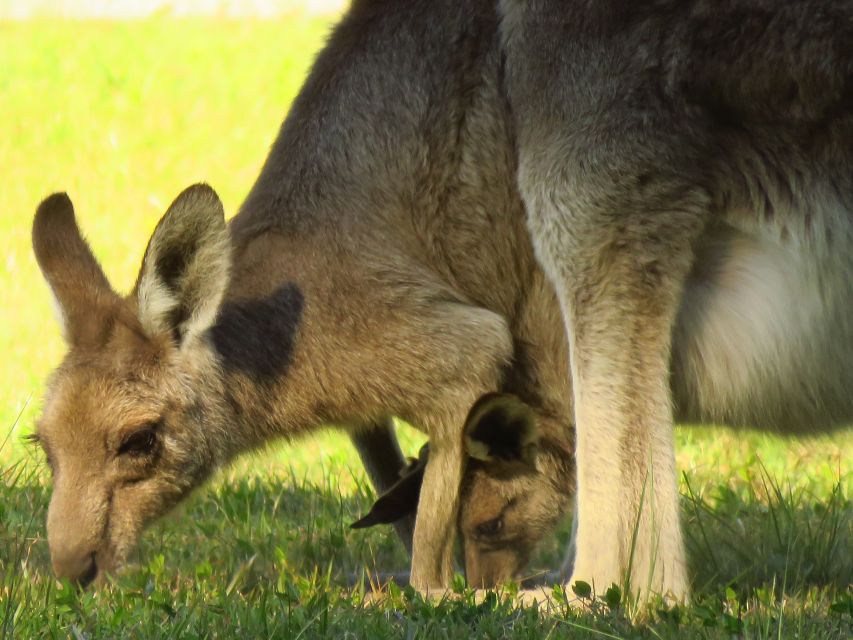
<point x="125" y="115"/>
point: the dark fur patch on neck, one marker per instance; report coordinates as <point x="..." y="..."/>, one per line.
<point x="256" y="337"/>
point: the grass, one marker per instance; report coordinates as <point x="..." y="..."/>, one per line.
<point x="123" y="116"/>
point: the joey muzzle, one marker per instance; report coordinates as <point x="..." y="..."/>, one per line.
<point x="502" y="443"/>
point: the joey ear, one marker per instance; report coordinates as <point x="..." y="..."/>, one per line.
<point x="186" y="267"/>
<point x="84" y="298"/>
<point x="501" y="429"/>
<point x="400" y="500"/>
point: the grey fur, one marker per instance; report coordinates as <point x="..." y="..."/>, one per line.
<point x="677" y="161"/>
<point x="687" y="170"/>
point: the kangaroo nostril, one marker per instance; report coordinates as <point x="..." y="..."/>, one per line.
<point x="91" y="572"/>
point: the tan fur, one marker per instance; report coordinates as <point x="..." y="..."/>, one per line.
<point x="514" y="487"/>
<point x="379" y="267"/>
<point x="687" y="188"/>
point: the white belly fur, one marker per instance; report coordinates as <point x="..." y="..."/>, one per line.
<point x="765" y="332"/>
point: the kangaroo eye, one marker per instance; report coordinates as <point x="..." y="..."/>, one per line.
<point x="140" y="442"/>
<point x="491" y="528"/>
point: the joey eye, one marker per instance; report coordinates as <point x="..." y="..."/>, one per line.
<point x="491" y="528"/>
<point x="139" y="443"/>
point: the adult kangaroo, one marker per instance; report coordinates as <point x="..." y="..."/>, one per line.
<point x="687" y="171"/>
<point x="379" y="266"/>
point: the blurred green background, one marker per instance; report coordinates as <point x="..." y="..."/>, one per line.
<point x="122" y="116"/>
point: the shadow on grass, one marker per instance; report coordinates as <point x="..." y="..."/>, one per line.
<point x="269" y="526"/>
<point x="788" y="541"/>
<point x="269" y="556"/>
<point x="285" y="525"/>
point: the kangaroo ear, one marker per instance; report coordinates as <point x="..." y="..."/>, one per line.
<point x="400" y="500"/>
<point x="85" y="300"/>
<point x="501" y="429"/>
<point x="186" y="267"/>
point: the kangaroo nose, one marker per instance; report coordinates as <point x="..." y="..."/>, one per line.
<point x="89" y="574"/>
<point x="81" y="571"/>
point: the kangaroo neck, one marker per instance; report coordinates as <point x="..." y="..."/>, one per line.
<point x="378" y="117"/>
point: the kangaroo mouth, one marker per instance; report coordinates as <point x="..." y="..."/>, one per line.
<point x="89" y="574"/>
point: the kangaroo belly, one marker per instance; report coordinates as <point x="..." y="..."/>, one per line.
<point x="764" y="336"/>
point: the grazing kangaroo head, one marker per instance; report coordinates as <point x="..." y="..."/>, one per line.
<point x="513" y="493"/>
<point x="128" y="423"/>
